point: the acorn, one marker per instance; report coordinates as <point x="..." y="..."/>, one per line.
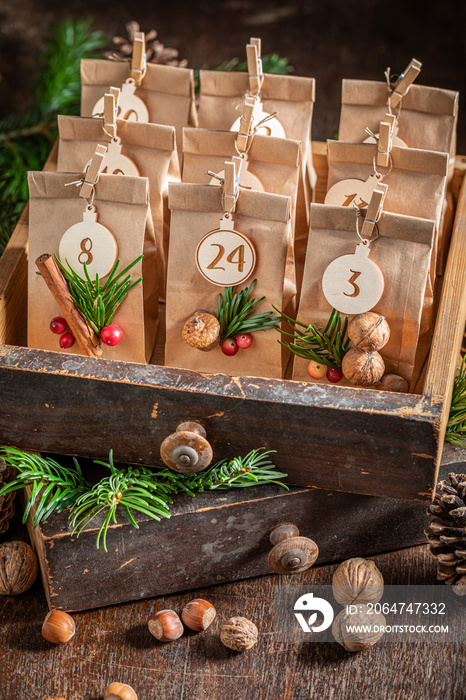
<point x="58" y="627"/>
<point x="119" y="691"/>
<point x="369" y="331"/>
<point x="239" y="634"/>
<point x="201" y="331"/>
<point x="198" y="614"/>
<point x="165" y="625"/>
<point x="361" y="367"/>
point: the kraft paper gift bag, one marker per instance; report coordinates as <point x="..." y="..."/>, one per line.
<point x="150" y="147"/>
<point x="166" y="91"/>
<point x="402" y="251"/>
<point x="266" y="221"/>
<point x="122" y="207"/>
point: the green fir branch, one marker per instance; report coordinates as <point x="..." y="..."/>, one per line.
<point x="128" y="488"/>
<point x="456" y="426"/>
<point x="235" y="313"/>
<point x="327" y="346"/>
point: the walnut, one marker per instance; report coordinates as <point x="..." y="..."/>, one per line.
<point x="392" y="382"/>
<point x="201" y="331"/>
<point x="345" y="624"/>
<point x="18" y="568"/>
<point x="357" y="581"/>
<point x="361" y="367"/>
<point x="369" y="331"/>
<point x="239" y="634"/>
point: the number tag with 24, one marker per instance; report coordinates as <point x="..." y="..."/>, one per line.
<point x="225" y="257"/>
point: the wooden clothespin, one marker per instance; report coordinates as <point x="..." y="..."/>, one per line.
<point x="110" y="111"/>
<point x="374" y="210"/>
<point x="93" y="171"/>
<point x="404" y="82"/>
<point x="138" y="61"/>
<point x="230" y="185"/>
<point x="385" y="142"/>
<point x="245" y="125"/>
<point x="253" y="54"/>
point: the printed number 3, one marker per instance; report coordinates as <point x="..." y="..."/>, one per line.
<point x="352" y="281"/>
<point x="237" y="252"/>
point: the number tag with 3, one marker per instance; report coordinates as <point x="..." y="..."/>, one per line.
<point x="225" y="257"/>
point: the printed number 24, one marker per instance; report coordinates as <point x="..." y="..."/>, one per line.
<point x="236" y="257"/>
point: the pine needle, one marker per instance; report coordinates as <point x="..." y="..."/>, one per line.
<point x="235" y="313"/>
<point x="456" y="426"/>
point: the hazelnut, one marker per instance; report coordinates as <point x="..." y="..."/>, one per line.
<point x="361" y="367"/>
<point x="201" y="331"/>
<point x="239" y="634"/>
<point x="198" y="614"/>
<point x="392" y="382"/>
<point x="369" y="331"/>
<point x="58" y="627"/>
<point x="165" y="625"/>
<point x="18" y="567"/>
<point x="345" y="625"/>
<point x="357" y="581"/>
<point x="119" y="691"/>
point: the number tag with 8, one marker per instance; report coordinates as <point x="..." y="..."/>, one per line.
<point x="225" y="257"/>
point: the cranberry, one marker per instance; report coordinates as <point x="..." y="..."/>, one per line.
<point x="58" y="325"/>
<point x="111" y="334"/>
<point x="229" y="346"/>
<point x="334" y="375"/>
<point x="67" y="340"/>
<point x="244" y="341"/>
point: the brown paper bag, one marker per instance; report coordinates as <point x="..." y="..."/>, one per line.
<point x="266" y="220"/>
<point x="402" y="252"/>
<point x="274" y="161"/>
<point x="122" y="206"/>
<point x="167" y="91"/>
<point x="427" y="120"/>
<point x="152" y="149"/>
<point x="292" y="97"/>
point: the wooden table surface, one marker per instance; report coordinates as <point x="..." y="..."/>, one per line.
<point x="113" y="644"/>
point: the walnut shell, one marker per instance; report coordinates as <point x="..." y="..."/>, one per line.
<point x="357" y="581"/>
<point x="18" y="568"/>
<point x="239" y="634"/>
<point x="369" y="331"/>
<point x="361" y="367"/>
<point x="354" y="640"/>
<point x="201" y="331"/>
<point x="392" y="382"/>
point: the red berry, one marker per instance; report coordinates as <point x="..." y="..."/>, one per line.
<point x="334" y="375"/>
<point x="58" y="325"/>
<point x="111" y="334"/>
<point x="316" y="370"/>
<point x="229" y="346"/>
<point x="244" y="341"/>
<point x="67" y="340"/>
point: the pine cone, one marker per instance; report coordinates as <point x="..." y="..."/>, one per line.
<point x="447" y="531"/>
<point x="156" y="52"/>
<point x="7" y="507"/>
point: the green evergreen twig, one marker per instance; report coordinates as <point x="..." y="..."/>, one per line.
<point x="234" y="313"/>
<point x="456" y="426"/>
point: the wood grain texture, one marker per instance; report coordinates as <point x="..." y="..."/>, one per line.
<point x="113" y="644"/>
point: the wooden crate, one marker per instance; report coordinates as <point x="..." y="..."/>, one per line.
<point x="346" y="439"/>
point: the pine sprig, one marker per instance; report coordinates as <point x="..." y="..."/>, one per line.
<point x="54" y="487"/>
<point x="327" y="346"/>
<point x="234" y="313"/>
<point x="134" y="488"/>
<point x="98" y="302"/>
<point x="456" y="426"/>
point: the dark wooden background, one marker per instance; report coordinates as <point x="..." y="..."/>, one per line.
<point x="113" y="644"/>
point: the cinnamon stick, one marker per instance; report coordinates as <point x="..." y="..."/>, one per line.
<point x="53" y="278"/>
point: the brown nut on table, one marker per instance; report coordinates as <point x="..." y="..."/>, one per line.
<point x="198" y="614"/>
<point x="187" y="450"/>
<point x="291" y="554"/>
<point x="119" y="691"/>
<point x="239" y="634"/>
<point x="165" y="625"/>
<point x="58" y="627"/>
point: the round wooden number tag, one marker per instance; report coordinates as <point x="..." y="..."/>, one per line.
<point x="272" y="126"/>
<point x="225" y="257"/>
<point x="247" y="180"/>
<point x="352" y="192"/>
<point x="91" y="243"/>
<point x="130" y="107"/>
<point x="353" y="284"/>
<point x="117" y="164"/>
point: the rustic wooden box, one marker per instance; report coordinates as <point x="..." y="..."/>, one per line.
<point x="348" y="439"/>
